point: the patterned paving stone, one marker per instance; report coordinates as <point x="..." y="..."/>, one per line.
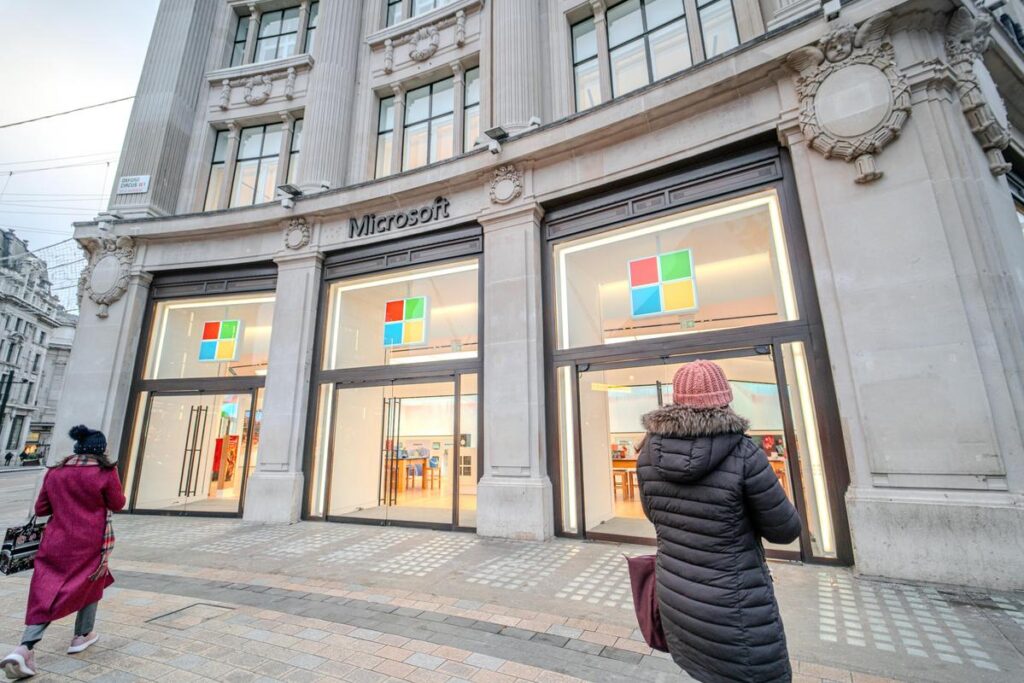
<point x="384" y="539"/>
<point x="423" y="559"/>
<point x="523" y="569"/>
<point x="604" y="582"/>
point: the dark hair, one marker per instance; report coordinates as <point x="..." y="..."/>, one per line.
<point x="91" y="443"/>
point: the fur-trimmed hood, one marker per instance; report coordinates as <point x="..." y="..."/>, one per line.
<point x="679" y="421"/>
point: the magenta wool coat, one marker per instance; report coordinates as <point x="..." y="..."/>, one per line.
<point x="78" y="499"/>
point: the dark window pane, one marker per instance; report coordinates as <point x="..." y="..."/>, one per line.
<point x="624" y="22"/>
<point x="314" y="15"/>
<point x="242" y="29"/>
<point x="584" y="41"/>
<point x="395" y="14"/>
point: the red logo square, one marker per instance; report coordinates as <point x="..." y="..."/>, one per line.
<point x="643" y="272"/>
<point x="211" y="330"/>
<point x="395" y="311"/>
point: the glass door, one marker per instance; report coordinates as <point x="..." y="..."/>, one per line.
<point x="771" y="388"/>
<point x="196" y="452"/>
<point x="394" y="453"/>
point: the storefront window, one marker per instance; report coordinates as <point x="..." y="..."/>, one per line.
<point x="210" y="337"/>
<point x="717" y="267"/>
<point x="413" y="316"/>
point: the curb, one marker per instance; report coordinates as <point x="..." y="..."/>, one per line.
<point x="13" y="468"/>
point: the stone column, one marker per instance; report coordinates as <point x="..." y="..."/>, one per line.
<point x="332" y="93"/>
<point x="156" y="142"/>
<point x="274" y="492"/>
<point x="604" y="69"/>
<point x="97" y="387"/>
<point x="458" y="109"/>
<point x="398" y="132"/>
<point x="519" y="61"/>
<point x="230" y="158"/>
<point x="515" y="493"/>
<point x="252" y="34"/>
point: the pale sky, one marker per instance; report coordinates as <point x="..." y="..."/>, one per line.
<point x="59" y="55"/>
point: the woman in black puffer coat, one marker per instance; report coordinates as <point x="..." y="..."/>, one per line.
<point x="712" y="497"/>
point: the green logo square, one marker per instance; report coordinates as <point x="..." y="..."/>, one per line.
<point x="676" y="265"/>
<point x="414" y="308"/>
<point x="228" y="329"/>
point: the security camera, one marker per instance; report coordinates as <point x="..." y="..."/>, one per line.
<point x="289" y="192"/>
<point x="831" y="9"/>
<point x="495" y="137"/>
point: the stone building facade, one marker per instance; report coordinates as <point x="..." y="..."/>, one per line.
<point x="35" y="331"/>
<point x="426" y="262"/>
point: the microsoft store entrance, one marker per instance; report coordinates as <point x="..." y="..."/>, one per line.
<point x="403" y="452"/>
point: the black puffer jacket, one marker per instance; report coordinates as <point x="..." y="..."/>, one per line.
<point x="712" y="496"/>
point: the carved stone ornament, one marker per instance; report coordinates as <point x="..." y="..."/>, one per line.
<point x="424" y="43"/>
<point x="506" y="185"/>
<point x="258" y="89"/>
<point x="853" y="99"/>
<point x="967" y="38"/>
<point x="297" y="233"/>
<point x="105" y="279"/>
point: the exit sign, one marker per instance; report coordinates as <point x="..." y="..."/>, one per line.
<point x="133" y="184"/>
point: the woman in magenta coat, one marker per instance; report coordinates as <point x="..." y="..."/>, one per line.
<point x="71" y="566"/>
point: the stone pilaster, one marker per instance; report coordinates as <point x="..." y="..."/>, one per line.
<point x="97" y="386"/>
<point x="327" y="131"/>
<point x="156" y="142"/>
<point x="274" y="492"/>
<point x="515" y="493"/>
<point x="518" y="41"/>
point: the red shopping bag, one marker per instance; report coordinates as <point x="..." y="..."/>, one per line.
<point x="645" y="600"/>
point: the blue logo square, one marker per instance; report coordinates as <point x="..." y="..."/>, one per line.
<point x="646" y="300"/>
<point x="208" y="350"/>
<point x="393" y="334"/>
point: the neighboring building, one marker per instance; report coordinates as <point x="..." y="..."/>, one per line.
<point x="33" y="327"/>
<point x="427" y="262"/>
<point x="51" y="387"/>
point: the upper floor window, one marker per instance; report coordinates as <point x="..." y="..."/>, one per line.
<point x="395" y="12"/>
<point x="385" y="136"/>
<point x="296" y="149"/>
<point x="278" y="35"/>
<point x="255" y="175"/>
<point x="584" y="64"/>
<point x="429" y="124"/>
<point x="647" y="40"/>
<point x="314" y="16"/>
<point x="717" y="26"/>
<point x="238" y="47"/>
<point x="36" y="361"/>
<point x="471" y="108"/>
<point x="215" y="185"/>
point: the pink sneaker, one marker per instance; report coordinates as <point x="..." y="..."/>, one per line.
<point x="19" y="664"/>
<point x="82" y="643"/>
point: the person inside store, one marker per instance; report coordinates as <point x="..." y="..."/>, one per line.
<point x="79" y="494"/>
<point x="712" y="496"/>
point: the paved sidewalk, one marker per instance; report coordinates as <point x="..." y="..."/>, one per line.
<point x="202" y="599"/>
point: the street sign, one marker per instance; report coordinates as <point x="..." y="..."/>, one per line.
<point x="133" y="184"/>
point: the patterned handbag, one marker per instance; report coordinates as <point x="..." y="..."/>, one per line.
<point x="20" y="546"/>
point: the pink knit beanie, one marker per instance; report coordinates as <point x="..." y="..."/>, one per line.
<point x="701" y="385"/>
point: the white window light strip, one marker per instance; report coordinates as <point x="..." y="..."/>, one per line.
<point x="410" y="277"/>
<point x="770" y="200"/>
<point x="813" y="447"/>
<point x="426" y="358"/>
<point x="570" y="447"/>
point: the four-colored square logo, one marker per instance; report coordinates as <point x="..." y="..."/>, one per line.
<point x="405" y="321"/>
<point x="220" y="340"/>
<point x="662" y="284"/>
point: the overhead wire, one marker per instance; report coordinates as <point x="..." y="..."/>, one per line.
<point x="63" y="113"/>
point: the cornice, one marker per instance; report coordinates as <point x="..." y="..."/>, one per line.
<point x="413" y="24"/>
<point x="298" y="62"/>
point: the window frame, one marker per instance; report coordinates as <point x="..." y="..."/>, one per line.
<point x="312" y="23"/>
<point x="645" y="36"/>
<point x="381" y="132"/>
<point x="259" y="166"/>
<point x="213" y="163"/>
<point x="277" y="36"/>
<point x="388" y="4"/>
<point x="468" y="144"/>
<point x="429" y="120"/>
<point x="294" y="153"/>
<point x="596" y="57"/>
<point x="242" y="21"/>
<point x="700" y="26"/>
